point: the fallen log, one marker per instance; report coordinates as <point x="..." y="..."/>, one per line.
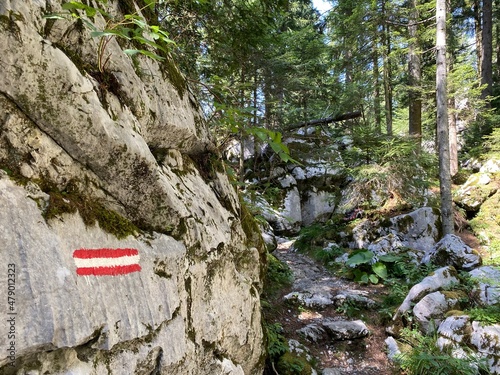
<point x="326" y="120"/>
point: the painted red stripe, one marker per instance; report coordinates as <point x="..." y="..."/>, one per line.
<point x="103" y="253"/>
<point x="107" y="271"/>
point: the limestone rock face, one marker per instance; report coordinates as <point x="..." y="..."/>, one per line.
<point x="126" y="145"/>
<point x="418" y="229"/>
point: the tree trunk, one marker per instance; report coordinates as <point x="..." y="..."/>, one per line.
<point x="452" y="121"/>
<point x="376" y="90"/>
<point x="487" y="49"/>
<point x="477" y="32"/>
<point x="386" y="48"/>
<point x="442" y="120"/>
<point x="497" y="33"/>
<point x="415" y="108"/>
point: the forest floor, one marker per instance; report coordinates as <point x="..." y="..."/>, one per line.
<point x="362" y="356"/>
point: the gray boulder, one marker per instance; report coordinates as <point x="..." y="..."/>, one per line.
<point x="491" y="166"/>
<point x="451" y="250"/>
<point x="312" y="332"/>
<point x="345" y="330"/>
<point x="430" y="310"/>
<point x="441" y="278"/>
<point x="452" y="332"/>
<point x="393" y="350"/>
<point x="475" y="191"/>
<point x="418" y="229"/>
<point x="486" y="339"/>
<point x="488" y="278"/>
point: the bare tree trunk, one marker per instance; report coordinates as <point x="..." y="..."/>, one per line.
<point x="376" y="90"/>
<point x="452" y="121"/>
<point x="487" y="48"/>
<point x="497" y="33"/>
<point x="415" y="110"/>
<point x="386" y="48"/>
<point x="442" y="120"/>
<point x="477" y="32"/>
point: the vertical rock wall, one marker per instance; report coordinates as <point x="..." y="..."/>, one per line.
<point x="117" y="166"/>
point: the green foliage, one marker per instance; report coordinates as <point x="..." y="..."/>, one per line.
<point x="273" y="139"/>
<point x="403" y="273"/>
<point x="277" y="277"/>
<point x="290" y="364"/>
<point x="492" y="141"/>
<point x="388" y="169"/>
<point x="365" y="270"/>
<point x="487" y="315"/>
<point x="276" y="342"/>
<point x="310" y="237"/>
<point x="132" y="27"/>
<point x="349" y="308"/>
<point x="425" y="358"/>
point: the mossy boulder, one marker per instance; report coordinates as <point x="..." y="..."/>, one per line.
<point x="486" y="226"/>
<point x="478" y="188"/>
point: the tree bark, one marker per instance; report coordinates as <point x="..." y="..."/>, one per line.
<point x="376" y="90"/>
<point x="386" y="48"/>
<point x="477" y="32"/>
<point x="452" y="121"/>
<point x="487" y="48"/>
<point x="414" y="70"/>
<point x="376" y="68"/>
<point x="326" y="120"/>
<point x="442" y="120"/>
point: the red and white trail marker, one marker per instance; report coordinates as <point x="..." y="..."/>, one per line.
<point x="106" y="262"/>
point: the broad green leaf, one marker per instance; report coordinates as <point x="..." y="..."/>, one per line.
<point x="108" y="32"/>
<point x="140" y="22"/>
<point x="73" y="5"/>
<point x="380" y="270"/>
<point x="373" y="279"/>
<point x="89" y="24"/>
<point x="151" y="4"/>
<point x="54" y="16"/>
<point x="145" y="41"/>
<point x="389" y="258"/>
<point x="359" y="257"/>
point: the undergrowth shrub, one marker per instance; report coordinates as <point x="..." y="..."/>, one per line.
<point x="277" y="277"/>
<point x="424" y="358"/>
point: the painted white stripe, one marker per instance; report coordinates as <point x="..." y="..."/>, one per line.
<point x="106" y="262"/>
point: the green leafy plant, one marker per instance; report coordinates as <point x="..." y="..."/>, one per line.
<point x="365" y="270"/>
<point x="132" y="27"/>
<point x="349" y="308"/>
<point x="276" y="342"/>
<point x="277" y="277"/>
<point x="487" y="315"/>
